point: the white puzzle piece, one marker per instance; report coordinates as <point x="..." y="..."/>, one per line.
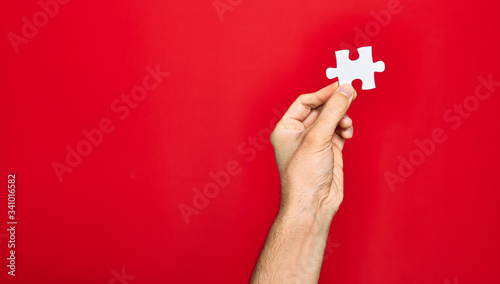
<point x="363" y="68"/>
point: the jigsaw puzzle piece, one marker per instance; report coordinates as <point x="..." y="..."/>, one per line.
<point x="363" y="68"/>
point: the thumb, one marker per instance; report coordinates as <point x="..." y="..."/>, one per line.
<point x="333" y="111"/>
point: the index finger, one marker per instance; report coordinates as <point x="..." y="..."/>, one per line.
<point x="302" y="106"/>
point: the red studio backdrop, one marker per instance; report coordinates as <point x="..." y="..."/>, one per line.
<point x="136" y="134"/>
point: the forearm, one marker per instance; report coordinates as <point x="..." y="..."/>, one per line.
<point x="294" y="248"/>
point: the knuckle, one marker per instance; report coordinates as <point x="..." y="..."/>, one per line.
<point x="303" y="99"/>
<point x="277" y="139"/>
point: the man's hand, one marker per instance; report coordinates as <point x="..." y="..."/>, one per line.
<point x="308" y="143"/>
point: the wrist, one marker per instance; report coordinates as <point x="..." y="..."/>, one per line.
<point x="307" y="219"/>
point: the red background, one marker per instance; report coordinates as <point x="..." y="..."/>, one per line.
<point x="119" y="207"/>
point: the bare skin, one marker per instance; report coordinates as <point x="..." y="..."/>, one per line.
<point x="308" y="143"/>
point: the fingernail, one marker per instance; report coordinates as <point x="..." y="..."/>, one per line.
<point x="346" y="89"/>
